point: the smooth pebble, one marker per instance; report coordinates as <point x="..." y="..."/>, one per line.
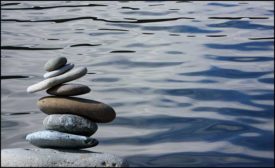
<point x="55" y="63"/>
<point x="93" y="110"/>
<point x="69" y="90"/>
<point x="59" y="71"/>
<point x="55" y="139"/>
<point x="66" y="77"/>
<point x="69" y="123"/>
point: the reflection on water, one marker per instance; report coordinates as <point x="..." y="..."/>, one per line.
<point x="192" y="82"/>
<point x="190" y="159"/>
<point x="247" y="46"/>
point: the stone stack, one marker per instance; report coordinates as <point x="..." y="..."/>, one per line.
<point x="69" y="125"/>
<point x="71" y="120"/>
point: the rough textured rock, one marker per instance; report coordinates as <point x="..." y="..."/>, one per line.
<point x="93" y="110"/>
<point x="69" y="90"/>
<point x="55" y="63"/>
<point x="35" y="157"/>
<point x="66" y="77"/>
<point x="59" y="71"/>
<point x="55" y="139"/>
<point x="69" y="123"/>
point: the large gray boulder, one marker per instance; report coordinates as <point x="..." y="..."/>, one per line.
<point x="36" y="157"/>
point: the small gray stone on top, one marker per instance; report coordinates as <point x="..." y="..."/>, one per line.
<point x="69" y="123"/>
<point x="55" y="63"/>
<point x="55" y="139"/>
<point x="69" y="90"/>
<point x="36" y="157"/>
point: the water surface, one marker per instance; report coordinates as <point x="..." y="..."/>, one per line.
<point x="192" y="82"/>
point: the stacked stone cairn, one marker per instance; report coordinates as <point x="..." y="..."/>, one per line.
<point x="69" y="125"/>
<point x="71" y="121"/>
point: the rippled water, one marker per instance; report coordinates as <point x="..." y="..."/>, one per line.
<point x="192" y="82"/>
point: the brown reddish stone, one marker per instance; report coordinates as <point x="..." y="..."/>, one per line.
<point x="93" y="110"/>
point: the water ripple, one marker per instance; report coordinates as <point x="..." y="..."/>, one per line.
<point x="122" y="51"/>
<point x="85" y="45"/>
<point x="106" y="79"/>
<point x="222" y="4"/>
<point x="215" y="71"/>
<point x="246" y="46"/>
<point x="267" y="80"/>
<point x="114" y="29"/>
<point x="237" y="18"/>
<point x="147" y="13"/>
<point x="197" y="159"/>
<point x="265" y="113"/>
<point x="220" y="35"/>
<point x="155" y="4"/>
<point x="51" y="7"/>
<point x="26" y="48"/>
<point x="126" y="7"/>
<point x="180" y="29"/>
<point x="133" y="64"/>
<point x="9" y="4"/>
<point x="13" y="76"/>
<point x="97" y="19"/>
<point x="241" y="24"/>
<point x="262" y="38"/>
<point x="239" y="58"/>
<point x="180" y="129"/>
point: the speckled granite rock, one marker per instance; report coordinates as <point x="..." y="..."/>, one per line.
<point x="35" y="157"/>
<point x="69" y="123"/>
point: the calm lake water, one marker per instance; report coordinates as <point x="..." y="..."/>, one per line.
<point x="192" y="82"/>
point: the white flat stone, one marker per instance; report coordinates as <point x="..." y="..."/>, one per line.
<point x="60" y="71"/>
<point x="66" y="77"/>
<point x="35" y="157"/>
<point x="56" y="139"/>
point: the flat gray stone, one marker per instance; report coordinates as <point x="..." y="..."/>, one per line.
<point x="66" y="77"/>
<point x="55" y="139"/>
<point x="69" y="123"/>
<point x="55" y="63"/>
<point x="69" y="90"/>
<point x="59" y="71"/>
<point x="35" y="157"/>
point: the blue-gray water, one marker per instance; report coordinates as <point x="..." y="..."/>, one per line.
<point x="192" y="82"/>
